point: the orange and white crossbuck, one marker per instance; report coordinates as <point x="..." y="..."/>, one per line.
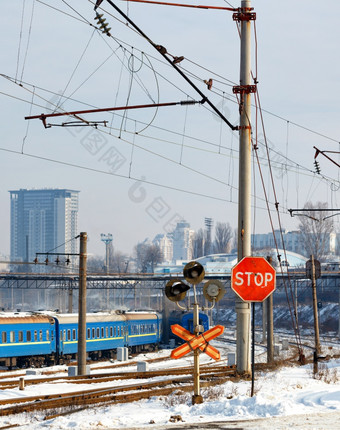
<point x="196" y="341"/>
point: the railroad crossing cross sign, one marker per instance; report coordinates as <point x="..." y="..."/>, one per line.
<point x="193" y="342"/>
<point x="253" y="279"/>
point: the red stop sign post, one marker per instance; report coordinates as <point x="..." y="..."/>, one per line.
<point x="253" y="279"/>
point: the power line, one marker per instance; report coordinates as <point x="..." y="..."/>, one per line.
<point x="170" y="131"/>
<point x="85" y="21"/>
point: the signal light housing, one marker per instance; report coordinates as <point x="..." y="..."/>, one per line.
<point x="176" y="290"/>
<point x="213" y="290"/>
<point x="193" y="272"/>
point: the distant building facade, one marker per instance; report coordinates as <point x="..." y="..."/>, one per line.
<point x="182" y="238"/>
<point x="42" y="220"/>
<point x="292" y="241"/>
<point x="166" y="246"/>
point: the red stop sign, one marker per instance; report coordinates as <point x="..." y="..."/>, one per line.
<point x="253" y="279"/>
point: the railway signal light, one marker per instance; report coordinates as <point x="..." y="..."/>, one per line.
<point x="193" y="272"/>
<point x="213" y="290"/>
<point x="176" y="290"/>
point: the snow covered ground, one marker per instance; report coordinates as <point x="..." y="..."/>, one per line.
<point x="286" y="398"/>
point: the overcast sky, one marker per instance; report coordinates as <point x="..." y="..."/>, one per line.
<point x="185" y="156"/>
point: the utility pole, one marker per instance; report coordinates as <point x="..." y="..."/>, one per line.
<point x="82" y="305"/>
<point x="270" y="324"/>
<point x="244" y="17"/>
<point x="315" y="309"/>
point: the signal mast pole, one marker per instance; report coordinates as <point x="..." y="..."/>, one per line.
<point x="244" y="17"/>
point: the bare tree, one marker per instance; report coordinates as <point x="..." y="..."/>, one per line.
<point x="315" y="230"/>
<point x="96" y="264"/>
<point x="147" y="256"/>
<point x="234" y="239"/>
<point x="223" y="236"/>
<point x="198" y="244"/>
<point x="118" y="262"/>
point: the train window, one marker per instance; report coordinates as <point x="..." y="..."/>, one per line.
<point x="47" y="335"/>
<point x="98" y="333"/>
<point x="28" y="336"/>
<point x="115" y="331"/>
<point x="35" y="335"/>
<point x="52" y="335"/>
<point x="74" y="334"/>
<point x="118" y="331"/>
<point x="111" y="331"/>
<point x="20" y="336"/>
<point x="40" y="336"/>
<point x="68" y="334"/>
<point x="4" y="337"/>
<point x="89" y="333"/>
<point x="93" y="333"/>
<point x="106" y="331"/>
<point x="64" y="335"/>
<point x="61" y="335"/>
<point x="102" y="332"/>
<point x="11" y="336"/>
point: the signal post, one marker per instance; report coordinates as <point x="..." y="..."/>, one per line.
<point x="213" y="290"/>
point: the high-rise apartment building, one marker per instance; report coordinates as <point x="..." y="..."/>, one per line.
<point x="166" y="246"/>
<point x="182" y="238"/>
<point x="41" y="221"/>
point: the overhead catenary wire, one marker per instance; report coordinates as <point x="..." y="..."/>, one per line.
<point x="84" y="21"/>
<point x="28" y="41"/>
<point x="289" y="289"/>
<point x="20" y="37"/>
<point x="150" y="137"/>
<point x="163" y="52"/>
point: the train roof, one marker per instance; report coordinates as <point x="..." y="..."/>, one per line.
<point x="90" y="317"/>
<point x="23" y="317"/>
<point x="140" y="315"/>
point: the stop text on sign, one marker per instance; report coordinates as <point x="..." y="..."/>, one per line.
<point x="253" y="279"/>
<point x="261" y="280"/>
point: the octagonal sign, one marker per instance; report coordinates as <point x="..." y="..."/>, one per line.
<point x="253" y="279"/>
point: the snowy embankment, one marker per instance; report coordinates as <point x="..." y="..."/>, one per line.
<point x="285" y="393"/>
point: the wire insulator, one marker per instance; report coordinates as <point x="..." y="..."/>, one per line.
<point x="317" y="167"/>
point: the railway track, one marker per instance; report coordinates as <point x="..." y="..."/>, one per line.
<point x="6" y="374"/>
<point x="118" y="394"/>
<point x="108" y="377"/>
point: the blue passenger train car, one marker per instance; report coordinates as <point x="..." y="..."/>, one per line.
<point x="27" y="339"/>
<point x="36" y="339"/>
<point x="144" y="330"/>
<point x="105" y="332"/>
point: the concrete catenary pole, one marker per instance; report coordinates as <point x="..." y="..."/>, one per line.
<point x="270" y="324"/>
<point x="244" y="197"/>
<point x="315" y="309"/>
<point x="82" y="305"/>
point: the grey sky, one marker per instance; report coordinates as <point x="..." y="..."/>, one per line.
<point x="298" y="73"/>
